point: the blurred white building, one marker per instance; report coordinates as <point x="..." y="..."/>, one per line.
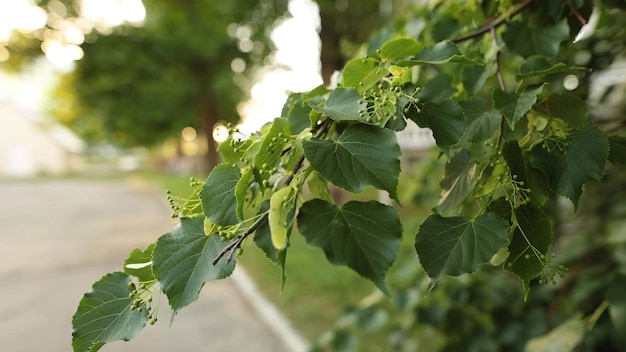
<point x="30" y="147"/>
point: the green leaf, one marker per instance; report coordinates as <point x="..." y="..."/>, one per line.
<point x="363" y="155"/>
<point x="530" y="239"/>
<point x="617" y="155"/>
<point x="572" y="162"/>
<point x="183" y="261"/>
<point x="520" y="165"/>
<point x="566" y="107"/>
<point x="440" y="53"/>
<point x="514" y="106"/>
<point x="617" y="300"/>
<point x="445" y="118"/>
<point x="241" y="190"/>
<point x="363" y="236"/>
<point x="104" y="315"/>
<point x="362" y="74"/>
<point x="318" y="186"/>
<point x="537" y="66"/>
<point x="139" y="264"/>
<point x="564" y="338"/>
<point x="219" y="201"/>
<point x="527" y="41"/>
<point x="457" y="245"/>
<point x="474" y="77"/>
<point x="399" y="48"/>
<point x="296" y="111"/>
<point x="273" y="144"/>
<point x="459" y="181"/>
<point x="344" y="104"/>
<point x="437" y="89"/>
<point x="481" y="124"/>
<point x="281" y="205"/>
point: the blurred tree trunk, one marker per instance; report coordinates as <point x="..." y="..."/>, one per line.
<point x="210" y="117"/>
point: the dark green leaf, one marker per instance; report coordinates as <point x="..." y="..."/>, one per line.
<point x="440" y="53"/>
<point x="445" y="118"/>
<point x="344" y="104"/>
<point x="617" y="155"/>
<point x="457" y="245"/>
<point x="363" y="155"/>
<point x="617" y="300"/>
<point x="437" y="89"/>
<point x="459" y="181"/>
<point x="527" y="41"/>
<point x="514" y="106"/>
<point x="520" y="165"/>
<point x="183" y="261"/>
<point x="399" y="48"/>
<point x="531" y="238"/>
<point x="481" y="123"/>
<point x="566" y="107"/>
<point x="363" y="236"/>
<point x="538" y="65"/>
<point x="572" y="162"/>
<point x="104" y="314"/>
<point x="139" y="264"/>
<point x="219" y="201"/>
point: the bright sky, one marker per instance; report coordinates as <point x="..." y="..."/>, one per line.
<point x="61" y="43"/>
<point x="296" y="39"/>
<point x="298" y="47"/>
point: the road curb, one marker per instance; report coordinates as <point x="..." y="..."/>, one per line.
<point x="270" y="315"/>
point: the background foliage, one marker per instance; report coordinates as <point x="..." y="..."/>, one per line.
<point x="524" y="246"/>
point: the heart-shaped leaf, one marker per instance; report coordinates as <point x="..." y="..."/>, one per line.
<point x="363" y="236"/>
<point x="363" y="155"/>
<point x="572" y="162"/>
<point x="105" y="315"/>
<point x="457" y="245"/>
<point x="183" y="261"/>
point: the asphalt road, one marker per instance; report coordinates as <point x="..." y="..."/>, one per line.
<point x="58" y="237"/>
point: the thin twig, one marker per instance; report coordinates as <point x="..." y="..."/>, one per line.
<point x="493" y="25"/>
<point x="573" y="11"/>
